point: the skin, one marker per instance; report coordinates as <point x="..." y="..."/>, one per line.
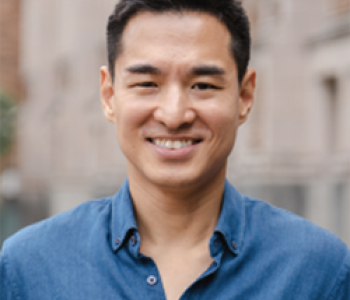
<point x="176" y="80"/>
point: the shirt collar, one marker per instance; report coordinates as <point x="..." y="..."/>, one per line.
<point x="230" y="225"/>
<point x="231" y="222"/>
<point x="123" y="218"/>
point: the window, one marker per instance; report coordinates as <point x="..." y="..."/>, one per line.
<point x="291" y="197"/>
<point x="330" y="88"/>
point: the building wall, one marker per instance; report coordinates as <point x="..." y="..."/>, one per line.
<point x="10" y="85"/>
<point x="68" y="151"/>
<point x="9" y="47"/>
<point x="293" y="152"/>
<point x="9" y="61"/>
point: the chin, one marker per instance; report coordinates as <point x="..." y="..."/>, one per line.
<point x="173" y="181"/>
<point x="176" y="184"/>
<point x="177" y="180"/>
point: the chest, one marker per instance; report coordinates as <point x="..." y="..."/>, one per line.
<point x="123" y="276"/>
<point x="178" y="273"/>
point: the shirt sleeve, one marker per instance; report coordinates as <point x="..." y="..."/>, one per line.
<point x="6" y="292"/>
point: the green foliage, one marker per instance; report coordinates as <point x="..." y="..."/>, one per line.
<point x="7" y="122"/>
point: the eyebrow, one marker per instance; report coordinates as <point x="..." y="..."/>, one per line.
<point x="143" y="69"/>
<point x="197" y="71"/>
<point x="207" y="70"/>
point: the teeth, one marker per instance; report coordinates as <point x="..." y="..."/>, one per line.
<point x="169" y="144"/>
<point x="177" y="145"/>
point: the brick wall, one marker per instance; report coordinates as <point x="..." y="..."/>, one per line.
<point x="9" y="60"/>
<point x="9" y="46"/>
<point x="341" y="5"/>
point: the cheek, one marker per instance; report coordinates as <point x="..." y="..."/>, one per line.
<point x="222" y="121"/>
<point x="222" y="118"/>
<point x="130" y="118"/>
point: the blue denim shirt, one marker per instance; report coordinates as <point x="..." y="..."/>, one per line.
<point x="92" y="252"/>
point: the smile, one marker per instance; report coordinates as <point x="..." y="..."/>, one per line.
<point x="173" y="144"/>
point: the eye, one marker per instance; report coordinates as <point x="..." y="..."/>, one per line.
<point x="204" y="86"/>
<point x="147" y="84"/>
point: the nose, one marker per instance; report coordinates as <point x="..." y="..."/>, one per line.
<point x="175" y="109"/>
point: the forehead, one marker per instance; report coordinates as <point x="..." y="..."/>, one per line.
<point x="181" y="37"/>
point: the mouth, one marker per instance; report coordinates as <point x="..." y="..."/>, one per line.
<point x="174" y="144"/>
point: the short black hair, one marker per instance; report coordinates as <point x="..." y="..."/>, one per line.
<point x="229" y="12"/>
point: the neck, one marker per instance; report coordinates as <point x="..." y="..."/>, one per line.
<point x="183" y="218"/>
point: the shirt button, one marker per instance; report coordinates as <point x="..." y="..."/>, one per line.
<point x="151" y="280"/>
<point x="133" y="240"/>
<point x="117" y="241"/>
<point x="234" y="245"/>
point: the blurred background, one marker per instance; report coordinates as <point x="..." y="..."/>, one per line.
<point x="57" y="150"/>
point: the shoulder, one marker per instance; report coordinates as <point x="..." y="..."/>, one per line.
<point x="297" y="245"/>
<point x="59" y="230"/>
<point x="283" y="227"/>
<point x="38" y="252"/>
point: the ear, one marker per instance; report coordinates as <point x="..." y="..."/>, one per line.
<point x="246" y="99"/>
<point x="107" y="94"/>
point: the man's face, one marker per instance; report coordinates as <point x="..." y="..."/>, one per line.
<point x="175" y="101"/>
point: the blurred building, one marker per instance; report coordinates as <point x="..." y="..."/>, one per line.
<point x="294" y="151"/>
<point x="10" y="94"/>
<point x="68" y="152"/>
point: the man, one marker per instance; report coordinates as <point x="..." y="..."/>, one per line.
<point x="177" y="88"/>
